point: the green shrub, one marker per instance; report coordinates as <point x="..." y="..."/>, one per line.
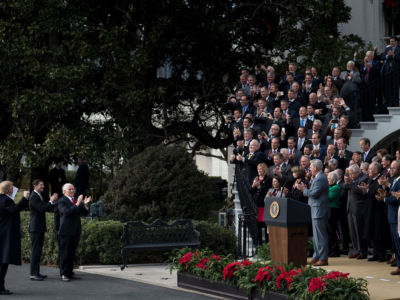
<point x="160" y="182"/>
<point x="100" y="242"/>
<point x="216" y="238"/>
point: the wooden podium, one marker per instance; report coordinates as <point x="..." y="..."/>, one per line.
<point x="287" y="222"/>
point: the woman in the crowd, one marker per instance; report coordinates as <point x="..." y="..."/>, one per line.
<point x="261" y="184"/>
<point x="299" y="175"/>
<point x="334" y="204"/>
<point x="10" y="231"/>
<point x="277" y="190"/>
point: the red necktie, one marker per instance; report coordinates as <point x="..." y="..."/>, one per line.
<point x="73" y="201"/>
<point x="367" y="75"/>
<point x="290" y="152"/>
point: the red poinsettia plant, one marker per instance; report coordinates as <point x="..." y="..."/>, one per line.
<point x="257" y="277"/>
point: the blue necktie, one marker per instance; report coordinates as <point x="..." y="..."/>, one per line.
<point x="302" y="123"/>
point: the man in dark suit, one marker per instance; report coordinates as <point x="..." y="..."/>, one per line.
<point x="301" y="139"/>
<point x="10" y="231"/>
<point x="319" y="151"/>
<point x="37" y="226"/>
<point x="391" y="197"/>
<point x="343" y="155"/>
<point x="390" y="69"/>
<point x="369" y="71"/>
<point x="57" y="178"/>
<point x="375" y="218"/>
<point x="336" y="78"/>
<point x="70" y="211"/>
<point x="82" y="177"/>
<point x="302" y="121"/>
<point x="252" y="159"/>
<point x="245" y="106"/>
<point x="356" y="211"/>
<point x="368" y="153"/>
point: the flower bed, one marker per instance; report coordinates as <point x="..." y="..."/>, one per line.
<point x="208" y="272"/>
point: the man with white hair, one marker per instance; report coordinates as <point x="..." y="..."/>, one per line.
<point x="70" y="210"/>
<point x="356" y="211"/>
<point x="318" y="199"/>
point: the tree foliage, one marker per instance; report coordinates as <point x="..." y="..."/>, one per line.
<point x="160" y="182"/>
<point x="84" y="76"/>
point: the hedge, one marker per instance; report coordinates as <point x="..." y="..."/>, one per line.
<point x="100" y="242"/>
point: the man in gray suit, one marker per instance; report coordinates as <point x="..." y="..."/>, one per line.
<point x="318" y="199"/>
<point x="356" y="210"/>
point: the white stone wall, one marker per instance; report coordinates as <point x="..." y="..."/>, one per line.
<point x="367" y="21"/>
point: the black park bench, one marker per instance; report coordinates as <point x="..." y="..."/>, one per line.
<point x="159" y="235"/>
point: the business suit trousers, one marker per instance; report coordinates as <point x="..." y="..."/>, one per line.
<point x="333" y="222"/>
<point x="3" y="272"/>
<point x="320" y="233"/>
<point x="396" y="241"/>
<point x="37" y="239"/>
<point x="356" y="225"/>
<point x="68" y="246"/>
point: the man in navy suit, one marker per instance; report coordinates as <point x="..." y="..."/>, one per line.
<point x="70" y="211"/>
<point x="390" y="69"/>
<point x="319" y="151"/>
<point x="318" y="199"/>
<point x="368" y="153"/>
<point x="37" y="226"/>
<point x="390" y="197"/>
<point x="369" y="71"/>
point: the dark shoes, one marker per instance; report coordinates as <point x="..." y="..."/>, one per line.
<point x="321" y="263"/>
<point x="5" y="292"/>
<point x="354" y="255"/>
<point x="67" y="278"/>
<point x="36" y="278"/>
<point x="312" y="261"/>
<point x="395" y="272"/>
<point x="362" y="256"/>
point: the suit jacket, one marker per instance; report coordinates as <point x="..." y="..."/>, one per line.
<point x="57" y="179"/>
<point x="374" y="72"/>
<point x="322" y="153"/>
<point x="251" y="162"/>
<point x="356" y="200"/>
<point x="296" y="157"/>
<point x="356" y="77"/>
<point x="286" y="172"/>
<point x="38" y="208"/>
<point x="370" y="155"/>
<point x="70" y="217"/>
<point x="294" y="108"/>
<point x="338" y="83"/>
<point x="306" y="142"/>
<point x="295" y="124"/>
<point x="318" y="196"/>
<point x="10" y="230"/>
<point x="392" y="203"/>
<point x="81" y="179"/>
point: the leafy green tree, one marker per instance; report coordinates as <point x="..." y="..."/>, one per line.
<point x="85" y="76"/>
<point x="160" y="182"/>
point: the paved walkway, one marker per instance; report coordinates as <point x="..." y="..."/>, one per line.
<point x="381" y="284"/>
<point x="91" y="286"/>
<point x="154" y="281"/>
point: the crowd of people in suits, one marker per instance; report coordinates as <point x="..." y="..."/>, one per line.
<point x="280" y="131"/>
<point x="68" y="205"/>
